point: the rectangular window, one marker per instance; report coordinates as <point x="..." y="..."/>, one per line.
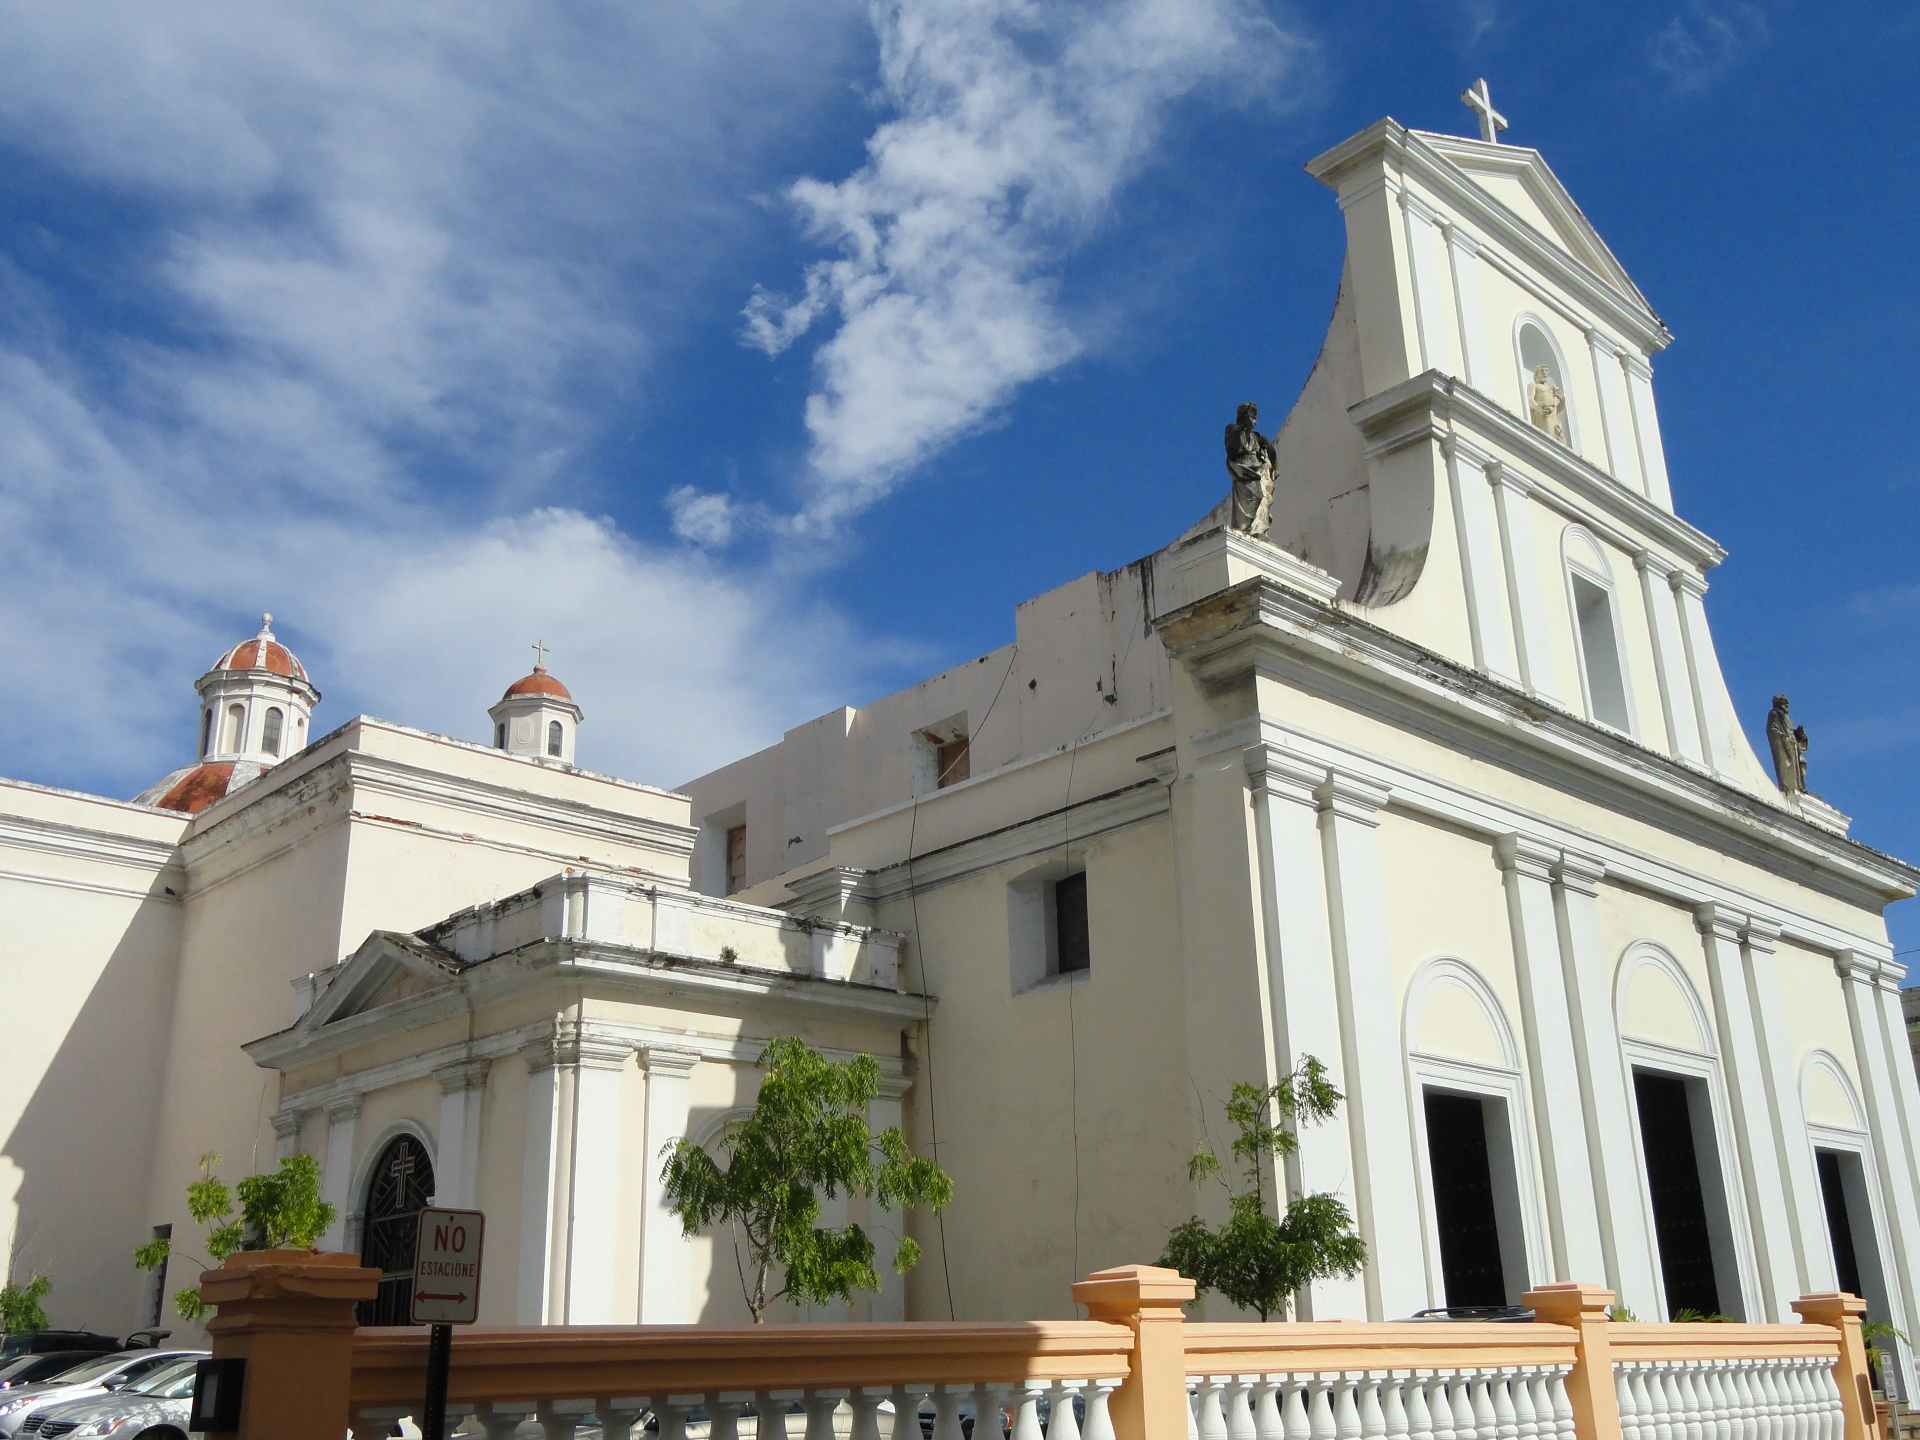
<point x="1850" y="1228"/>
<point x="1689" y="1206"/>
<point x="736" y="859"/>
<point x="1070" y="938"/>
<point x="1606" y="686"/>
<point x="1476" y="1200"/>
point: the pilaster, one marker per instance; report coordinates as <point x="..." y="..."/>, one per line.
<point x="1523" y="579"/>
<point x="664" y="1274"/>
<point x="1632" y="1262"/>
<point x="336" y="1174"/>
<point x="1375" y="1072"/>
<point x="1463" y="253"/>
<point x="1703" y="669"/>
<point x="1886" y="1070"/>
<point x="1301" y="987"/>
<point x="1764" y="1184"/>
<point x="463" y="1086"/>
<point x="543" y="1188"/>
<point x="1479" y="557"/>
<point x="597" y="1063"/>
<point x="1813" y="1254"/>
<point x="1615" y="421"/>
<point x="887" y="1226"/>
<point x="1573" y="1220"/>
<point x="1646" y="429"/>
<point x="286" y="1132"/>
<point x="1669" y="656"/>
<point x="1429" y="305"/>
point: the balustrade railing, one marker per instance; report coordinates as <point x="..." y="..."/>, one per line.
<point x="1135" y="1370"/>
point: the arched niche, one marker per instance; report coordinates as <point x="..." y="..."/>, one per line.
<point x="1534" y="345"/>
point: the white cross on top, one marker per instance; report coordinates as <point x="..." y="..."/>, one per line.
<point x="1478" y="100"/>
<point x="539" y="654"/>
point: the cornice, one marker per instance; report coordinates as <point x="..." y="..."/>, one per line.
<point x="1405" y="152"/>
<point x="1429" y="404"/>
<point x="82" y="842"/>
<point x="1260" y="627"/>
<point x="615" y="972"/>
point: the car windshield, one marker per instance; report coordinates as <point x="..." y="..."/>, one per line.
<point x="169" y="1383"/>
<point x="15" y="1368"/>
<point x="99" y="1370"/>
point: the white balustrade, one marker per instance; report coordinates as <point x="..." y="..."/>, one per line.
<point x="1041" y="1410"/>
<point x="1519" y="1403"/>
<point x="1784" y="1398"/>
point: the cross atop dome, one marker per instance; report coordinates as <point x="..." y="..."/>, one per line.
<point x="540" y="656"/>
<point x="1479" y="99"/>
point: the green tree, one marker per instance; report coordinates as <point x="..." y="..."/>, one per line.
<point x="808" y="1133"/>
<point x="20" y="1311"/>
<point x="280" y="1210"/>
<point x="1254" y="1260"/>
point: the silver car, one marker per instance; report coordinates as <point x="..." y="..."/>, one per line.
<point x="107" y="1375"/>
<point x="157" y="1408"/>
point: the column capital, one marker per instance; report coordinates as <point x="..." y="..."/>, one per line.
<point x="1503" y="476"/>
<point x="668" y="1061"/>
<point x="1685" y="582"/>
<point x="1579" y="873"/>
<point x="1415" y="206"/>
<point x="1603" y="343"/>
<point x="1455" y="444"/>
<point x="1459" y="239"/>
<point x="895" y="1087"/>
<point x="578" y="1045"/>
<point x="1282" y="774"/>
<point x="1716" y="922"/>
<point x="1760" y="933"/>
<point x="286" y="1123"/>
<point x="1636" y="365"/>
<point x="1852" y="965"/>
<point x="463" y="1075"/>
<point x="344" y="1107"/>
<point x="1526" y="856"/>
<point x="1647" y="562"/>
<point x="1349" y="797"/>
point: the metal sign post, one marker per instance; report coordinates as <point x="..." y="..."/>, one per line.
<point x="446" y="1293"/>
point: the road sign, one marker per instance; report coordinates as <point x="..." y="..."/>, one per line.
<point x="446" y="1267"/>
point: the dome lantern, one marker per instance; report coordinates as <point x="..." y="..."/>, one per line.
<point x="536" y="717"/>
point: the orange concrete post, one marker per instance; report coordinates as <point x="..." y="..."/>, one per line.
<point x="1152" y="1404"/>
<point x="1850" y="1372"/>
<point x="290" y="1314"/>
<point x="1590" y="1388"/>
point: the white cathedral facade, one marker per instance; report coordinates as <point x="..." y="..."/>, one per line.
<point x="1436" y="780"/>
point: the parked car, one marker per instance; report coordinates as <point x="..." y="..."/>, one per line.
<point x="156" y="1408"/>
<point x="41" y="1342"/>
<point x="32" y="1369"/>
<point x="109" y="1374"/>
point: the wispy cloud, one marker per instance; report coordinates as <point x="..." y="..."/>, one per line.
<point x="1705" y="42"/>
<point x="382" y="276"/>
<point x="1013" y="125"/>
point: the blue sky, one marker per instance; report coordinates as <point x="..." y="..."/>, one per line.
<point x="763" y="357"/>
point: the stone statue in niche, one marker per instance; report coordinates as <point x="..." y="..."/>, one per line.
<point x="1252" y="462"/>
<point x="1788" y="742"/>
<point x="1548" y="404"/>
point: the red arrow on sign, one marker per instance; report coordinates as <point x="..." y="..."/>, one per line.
<point x="459" y="1299"/>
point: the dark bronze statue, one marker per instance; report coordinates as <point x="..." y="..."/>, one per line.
<point x="1252" y="461"/>
<point x="1788" y="742"/>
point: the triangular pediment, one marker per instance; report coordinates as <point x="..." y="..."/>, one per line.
<point x="388" y="967"/>
<point x="1520" y="180"/>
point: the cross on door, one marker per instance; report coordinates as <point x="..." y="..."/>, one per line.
<point x="1479" y="100"/>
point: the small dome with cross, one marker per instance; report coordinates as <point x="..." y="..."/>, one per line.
<point x="536" y="716"/>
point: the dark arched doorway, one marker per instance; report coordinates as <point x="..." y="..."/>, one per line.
<point x="398" y="1190"/>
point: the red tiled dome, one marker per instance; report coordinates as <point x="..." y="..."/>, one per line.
<point x="263" y="652"/>
<point x="192" y="788"/>
<point x="538" y="683"/>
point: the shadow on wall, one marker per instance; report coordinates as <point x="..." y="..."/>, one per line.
<point x="82" y="1151"/>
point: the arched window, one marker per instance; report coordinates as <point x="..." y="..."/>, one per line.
<point x="397" y="1191"/>
<point x="206" y="731"/>
<point x="553" y="737"/>
<point x="500" y="736"/>
<point x="236" y="728"/>
<point x="270" y="732"/>
<point x="1543" y="379"/>
<point x="1596" y="630"/>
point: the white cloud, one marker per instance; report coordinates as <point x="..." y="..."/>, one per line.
<point x="1704" y="42"/>
<point x="380" y="274"/>
<point x="1016" y="123"/>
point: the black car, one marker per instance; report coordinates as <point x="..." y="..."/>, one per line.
<point x="32" y="1369"/>
<point x="43" y="1342"/>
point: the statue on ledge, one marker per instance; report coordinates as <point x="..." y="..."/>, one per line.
<point x="1788" y="742"/>
<point x="1252" y="461"/>
<point x="1547" y="404"/>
